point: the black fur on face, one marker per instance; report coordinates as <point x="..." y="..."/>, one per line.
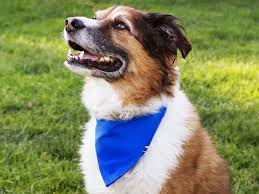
<point x="162" y="35"/>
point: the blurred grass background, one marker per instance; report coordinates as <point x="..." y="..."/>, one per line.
<point x="40" y="110"/>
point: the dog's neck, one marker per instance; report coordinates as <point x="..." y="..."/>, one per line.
<point x="103" y="102"/>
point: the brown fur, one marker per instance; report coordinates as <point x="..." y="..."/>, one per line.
<point x="143" y="79"/>
<point x="150" y="73"/>
<point x="200" y="170"/>
<point x="145" y="76"/>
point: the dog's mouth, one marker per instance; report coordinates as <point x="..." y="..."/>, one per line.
<point x="79" y="56"/>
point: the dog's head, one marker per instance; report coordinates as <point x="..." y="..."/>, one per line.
<point x="127" y="47"/>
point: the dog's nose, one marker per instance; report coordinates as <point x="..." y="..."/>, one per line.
<point x="73" y="24"/>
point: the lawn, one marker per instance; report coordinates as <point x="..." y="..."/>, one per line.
<point x="40" y="110"/>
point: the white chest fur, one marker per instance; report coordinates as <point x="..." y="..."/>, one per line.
<point x="153" y="169"/>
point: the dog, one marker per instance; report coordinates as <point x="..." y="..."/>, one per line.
<point x="133" y="95"/>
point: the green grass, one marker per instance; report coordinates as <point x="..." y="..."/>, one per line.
<point x="40" y="110"/>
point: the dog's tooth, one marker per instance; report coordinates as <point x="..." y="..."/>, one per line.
<point x="106" y="58"/>
<point x="76" y="57"/>
<point x="101" y="59"/>
<point x="81" y="56"/>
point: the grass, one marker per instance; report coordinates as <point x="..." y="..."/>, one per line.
<point x="40" y="110"/>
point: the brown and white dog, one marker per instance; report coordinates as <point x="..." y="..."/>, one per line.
<point x="129" y="57"/>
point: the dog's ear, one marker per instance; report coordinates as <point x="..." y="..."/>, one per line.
<point x="168" y="33"/>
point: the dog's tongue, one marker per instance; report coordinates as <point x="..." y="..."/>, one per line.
<point x="88" y="56"/>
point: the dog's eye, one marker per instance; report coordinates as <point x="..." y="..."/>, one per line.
<point x="120" y="26"/>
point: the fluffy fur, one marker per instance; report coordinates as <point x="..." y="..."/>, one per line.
<point x="154" y="168"/>
<point x="181" y="158"/>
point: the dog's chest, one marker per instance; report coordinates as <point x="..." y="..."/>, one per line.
<point x="146" y="177"/>
<point x="152" y="170"/>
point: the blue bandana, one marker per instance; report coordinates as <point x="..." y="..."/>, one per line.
<point x="120" y="144"/>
